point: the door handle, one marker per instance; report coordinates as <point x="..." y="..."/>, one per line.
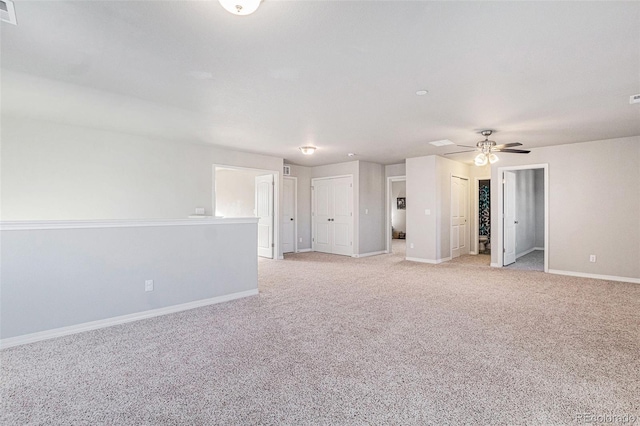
<point x="515" y="221"/>
<point x="328" y="220"/>
<point x="291" y="219"/>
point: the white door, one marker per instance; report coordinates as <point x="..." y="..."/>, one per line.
<point x="459" y="216"/>
<point x="333" y="215"/>
<point x="509" y="216"/>
<point x="288" y="215"/>
<point x="264" y="212"/>
<point x="342" y="216"/>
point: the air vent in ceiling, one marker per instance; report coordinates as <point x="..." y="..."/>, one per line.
<point x="7" y="12"/>
<point x="635" y="99"/>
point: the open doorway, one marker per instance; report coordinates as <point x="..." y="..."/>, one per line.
<point x="524" y="229"/>
<point x="244" y="192"/>
<point x="396" y="215"/>
<point x="482" y="232"/>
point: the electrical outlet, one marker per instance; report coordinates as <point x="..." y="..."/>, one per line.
<point x="148" y="285"/>
<point x="592" y="258"/>
<point x="366" y="211"/>
<point x="411" y="245"/>
<point x="427" y="212"/>
<point x="200" y="210"/>
<point x="299" y="240"/>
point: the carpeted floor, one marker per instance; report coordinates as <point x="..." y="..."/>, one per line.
<point x="337" y="340"/>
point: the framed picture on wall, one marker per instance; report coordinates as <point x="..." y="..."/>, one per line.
<point x="402" y="203"/>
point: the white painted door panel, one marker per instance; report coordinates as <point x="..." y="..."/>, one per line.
<point x="509" y="253"/>
<point x="264" y="212"/>
<point x="333" y="216"/>
<point x="288" y="216"/>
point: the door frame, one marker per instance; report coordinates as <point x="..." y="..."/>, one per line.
<point x="500" y="234"/>
<point x="277" y="253"/>
<point x="295" y="210"/>
<point x="476" y="213"/>
<point x="390" y="180"/>
<point x="459" y="176"/>
<point x="353" y="212"/>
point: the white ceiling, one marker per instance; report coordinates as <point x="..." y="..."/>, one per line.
<point x="337" y="74"/>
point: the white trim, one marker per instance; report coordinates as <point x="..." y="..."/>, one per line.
<point x="373" y="253"/>
<point x="497" y="238"/>
<point x="123" y="319"/>
<point x="330" y="177"/>
<point x="596" y="276"/>
<point x="387" y="227"/>
<point x="85" y="224"/>
<point x="538" y="248"/>
<point x="524" y="253"/>
<point x="495" y="265"/>
<point x="430" y="261"/>
<point x="304" y="250"/>
<point x="475" y="253"/>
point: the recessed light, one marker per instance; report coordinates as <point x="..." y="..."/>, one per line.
<point x="443" y="142"/>
<point x="351" y="154"/>
<point x="422" y="92"/>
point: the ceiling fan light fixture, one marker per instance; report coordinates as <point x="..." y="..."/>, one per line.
<point x="307" y="150"/>
<point x="481" y="160"/>
<point x="493" y="158"/>
<point x="240" y="7"/>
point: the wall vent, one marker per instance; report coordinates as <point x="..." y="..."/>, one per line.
<point x="635" y="99"/>
<point x="7" y="12"/>
<point x="287" y="170"/>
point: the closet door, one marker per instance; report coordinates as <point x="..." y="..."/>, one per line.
<point x="333" y="215"/>
<point x="342" y="216"/>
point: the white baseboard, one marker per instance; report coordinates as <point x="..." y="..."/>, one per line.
<point x="373" y="253"/>
<point x="430" y="261"/>
<point x="495" y="265"/>
<point x="304" y="250"/>
<point x="596" y="276"/>
<point x="524" y="253"/>
<point x="108" y="322"/>
<point x="473" y="253"/>
<point x="539" y="248"/>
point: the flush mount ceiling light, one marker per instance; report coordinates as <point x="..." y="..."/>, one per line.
<point x="422" y="92"/>
<point x="240" y="7"/>
<point x="351" y="154"/>
<point x="307" y="150"/>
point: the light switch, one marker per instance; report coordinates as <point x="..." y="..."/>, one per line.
<point x="366" y="211"/>
<point x="427" y="212"/>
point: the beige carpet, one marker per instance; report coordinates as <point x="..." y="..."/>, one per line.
<point x="336" y="340"/>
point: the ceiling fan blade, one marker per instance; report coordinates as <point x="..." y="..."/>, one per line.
<point x="467" y="146"/>
<point x="514" y="151"/>
<point x="507" y="145"/>
<point x="459" y="152"/>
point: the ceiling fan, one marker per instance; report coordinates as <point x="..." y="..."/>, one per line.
<point x="487" y="149"/>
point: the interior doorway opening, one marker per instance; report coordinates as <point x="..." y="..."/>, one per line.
<point x="396" y="229"/>
<point x="246" y="192"/>
<point x="524" y="207"/>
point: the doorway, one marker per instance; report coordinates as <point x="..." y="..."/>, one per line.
<point x="459" y="216"/>
<point x="246" y="192"/>
<point x="523" y="199"/>
<point x="482" y="215"/>
<point x="332" y="215"/>
<point x="396" y="213"/>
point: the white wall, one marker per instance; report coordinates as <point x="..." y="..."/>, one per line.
<point x="56" y="172"/>
<point x="395" y="170"/>
<point x="371" y="209"/>
<point x="61" y="172"/>
<point x="398" y="217"/>
<point x="525" y="211"/>
<point x="235" y="192"/>
<point x="594" y="205"/>
<point x="303" y="174"/>
<point x="421" y="196"/>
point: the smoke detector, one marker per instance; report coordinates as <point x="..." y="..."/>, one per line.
<point x="7" y="12"/>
